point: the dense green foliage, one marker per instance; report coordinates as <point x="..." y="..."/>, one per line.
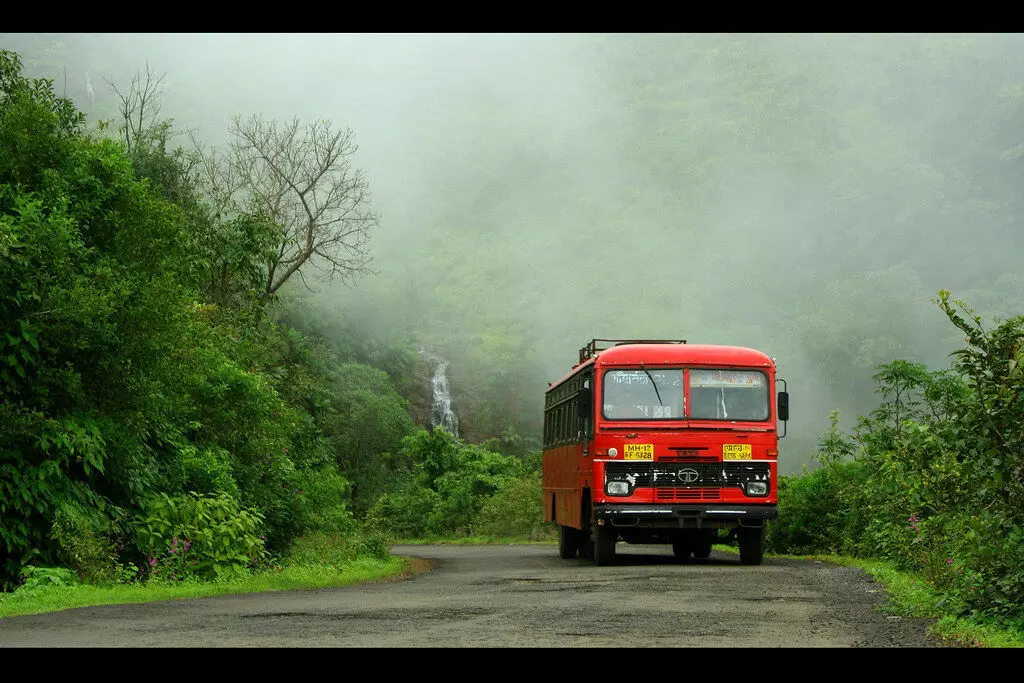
<point x="160" y="417"/>
<point x="119" y="380"/>
<point x="451" y="484"/>
<point x="931" y="480"/>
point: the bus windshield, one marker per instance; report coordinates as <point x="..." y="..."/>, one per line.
<point x="657" y="394"/>
<point x="728" y="395"/>
<point x="643" y="394"/>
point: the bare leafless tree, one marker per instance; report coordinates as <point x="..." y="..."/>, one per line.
<point x="140" y="104"/>
<point x="222" y="182"/>
<point x="302" y="178"/>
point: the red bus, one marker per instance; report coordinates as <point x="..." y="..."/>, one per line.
<point x="660" y="441"/>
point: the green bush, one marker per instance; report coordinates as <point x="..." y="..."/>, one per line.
<point x="208" y="536"/>
<point x="822" y="510"/>
<point x="935" y="486"/>
<point x="373" y="543"/>
<point x="37" y="579"/>
<point x="452" y="482"/>
<point x="339" y="549"/>
<point x="325" y="495"/>
<point x="805" y="503"/>
<point x="515" y="511"/>
<point x="404" y="513"/>
<point x="89" y="542"/>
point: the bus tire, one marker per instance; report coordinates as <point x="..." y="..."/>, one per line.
<point x="568" y="542"/>
<point x="702" y="546"/>
<point x="751" y="542"/>
<point x="604" y="545"/>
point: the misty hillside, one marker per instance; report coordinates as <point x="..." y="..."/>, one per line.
<point x="805" y="195"/>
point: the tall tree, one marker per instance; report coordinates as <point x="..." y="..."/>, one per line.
<point x="301" y="177"/>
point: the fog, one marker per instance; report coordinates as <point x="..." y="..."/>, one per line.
<point x="803" y="195"/>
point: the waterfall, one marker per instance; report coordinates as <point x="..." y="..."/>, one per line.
<point x="441" y="413"/>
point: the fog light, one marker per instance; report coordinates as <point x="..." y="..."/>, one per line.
<point x="757" y="488"/>
<point x="617" y="488"/>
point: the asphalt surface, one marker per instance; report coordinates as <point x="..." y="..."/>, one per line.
<point x="516" y="596"/>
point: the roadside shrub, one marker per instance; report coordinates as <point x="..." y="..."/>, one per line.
<point x="452" y="481"/>
<point x="325" y="493"/>
<point x="936" y="487"/>
<point x="88" y="542"/>
<point x="515" y="511"/>
<point x="373" y="543"/>
<point x="337" y="550"/>
<point x="820" y="511"/>
<point x="805" y="502"/>
<point x="37" y="579"/>
<point x="207" y="536"/>
<point x="463" y="475"/>
<point x="404" y="513"/>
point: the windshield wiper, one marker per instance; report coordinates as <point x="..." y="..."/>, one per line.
<point x="653" y="383"/>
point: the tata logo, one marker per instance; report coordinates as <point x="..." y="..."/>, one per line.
<point x="688" y="475"/>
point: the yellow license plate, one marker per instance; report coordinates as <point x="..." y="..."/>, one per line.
<point x="639" y="451"/>
<point x="736" y="451"/>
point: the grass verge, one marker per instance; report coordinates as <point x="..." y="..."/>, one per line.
<point x="297" y="577"/>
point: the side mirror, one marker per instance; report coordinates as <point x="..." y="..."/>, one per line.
<point x="783" y="405"/>
<point x="584" y="404"/>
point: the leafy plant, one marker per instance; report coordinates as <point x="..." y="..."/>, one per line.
<point x="515" y="510"/>
<point x="200" y="535"/>
<point x="36" y="579"/>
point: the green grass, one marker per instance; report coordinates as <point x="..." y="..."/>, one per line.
<point x="296" y="577"/>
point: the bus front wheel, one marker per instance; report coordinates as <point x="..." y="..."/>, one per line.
<point x="604" y="545"/>
<point x="751" y="542"/>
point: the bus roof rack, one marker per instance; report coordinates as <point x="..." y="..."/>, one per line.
<point x="595" y="345"/>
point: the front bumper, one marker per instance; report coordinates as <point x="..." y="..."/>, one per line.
<point x="700" y="516"/>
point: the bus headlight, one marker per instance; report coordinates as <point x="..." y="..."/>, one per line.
<point x="617" y="488"/>
<point x="757" y="488"/>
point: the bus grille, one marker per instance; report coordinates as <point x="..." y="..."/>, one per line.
<point x="688" y="475"/>
<point x="681" y="494"/>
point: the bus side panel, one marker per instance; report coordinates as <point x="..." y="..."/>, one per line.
<point x="561" y="485"/>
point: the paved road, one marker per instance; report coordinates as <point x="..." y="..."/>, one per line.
<point x="516" y="596"/>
